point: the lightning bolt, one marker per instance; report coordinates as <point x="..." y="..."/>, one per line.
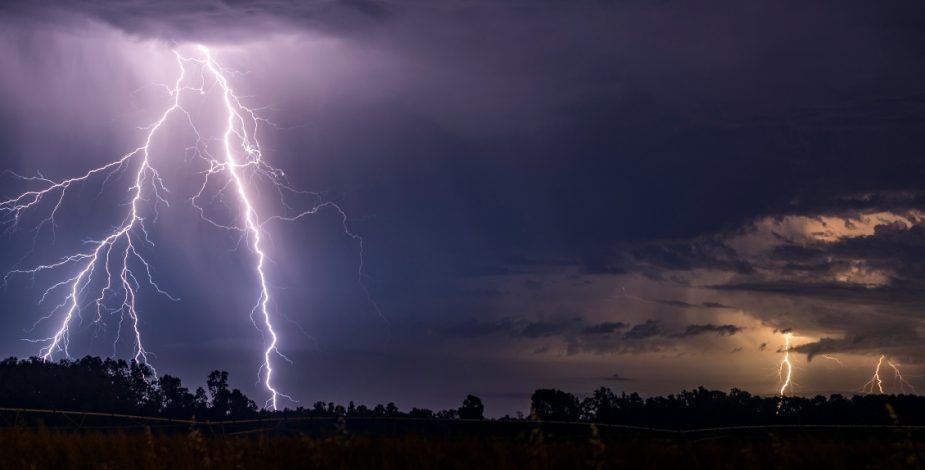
<point x="236" y="129"/>
<point x="833" y="359"/>
<point x="875" y="381"/>
<point x="898" y="377"/>
<point x="126" y="236"/>
<point x="785" y="369"/>
<point x="117" y="256"/>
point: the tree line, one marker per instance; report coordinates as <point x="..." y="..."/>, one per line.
<point x="93" y="384"/>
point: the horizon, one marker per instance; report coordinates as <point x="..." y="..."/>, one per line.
<point x="487" y="400"/>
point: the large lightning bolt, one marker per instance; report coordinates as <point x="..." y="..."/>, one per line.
<point x="120" y="247"/>
<point x="237" y="130"/>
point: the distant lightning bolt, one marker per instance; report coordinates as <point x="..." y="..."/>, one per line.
<point x="785" y="373"/>
<point x="898" y="377"/>
<point x="833" y="359"/>
<point x="875" y="381"/>
<point x="785" y="369"/>
<point x="240" y="152"/>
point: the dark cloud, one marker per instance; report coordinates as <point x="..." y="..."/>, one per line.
<point x="644" y="330"/>
<point x="701" y="305"/>
<point x="648" y="336"/>
<point x="796" y="253"/>
<point x="603" y="328"/>
<point x="197" y="20"/>
<point x="716" y="305"/>
<point x="831" y="290"/>
<point x="514" y="329"/>
<point x="722" y="330"/>
<point x="548" y="328"/>
<point x="703" y="254"/>
<point x="578" y="335"/>
<point x="898" y="339"/>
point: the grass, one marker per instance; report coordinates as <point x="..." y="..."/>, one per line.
<point x="45" y="448"/>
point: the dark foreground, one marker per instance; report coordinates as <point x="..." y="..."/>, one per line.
<point x="43" y="448"/>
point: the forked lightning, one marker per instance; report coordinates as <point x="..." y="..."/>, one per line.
<point x="116" y="256"/>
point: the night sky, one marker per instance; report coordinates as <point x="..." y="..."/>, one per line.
<point x="637" y="194"/>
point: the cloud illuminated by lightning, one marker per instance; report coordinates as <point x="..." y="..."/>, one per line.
<point x="116" y="256"/>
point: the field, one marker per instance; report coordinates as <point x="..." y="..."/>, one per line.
<point x="144" y="448"/>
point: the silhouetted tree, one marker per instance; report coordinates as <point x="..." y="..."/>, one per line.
<point x="201" y="400"/>
<point x="423" y="413"/>
<point x="600" y="406"/>
<point x="554" y="405"/>
<point x="220" y="396"/>
<point x="447" y="414"/>
<point x="177" y="401"/>
<point x="239" y="406"/>
<point x="115" y="386"/>
<point x="472" y="408"/>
